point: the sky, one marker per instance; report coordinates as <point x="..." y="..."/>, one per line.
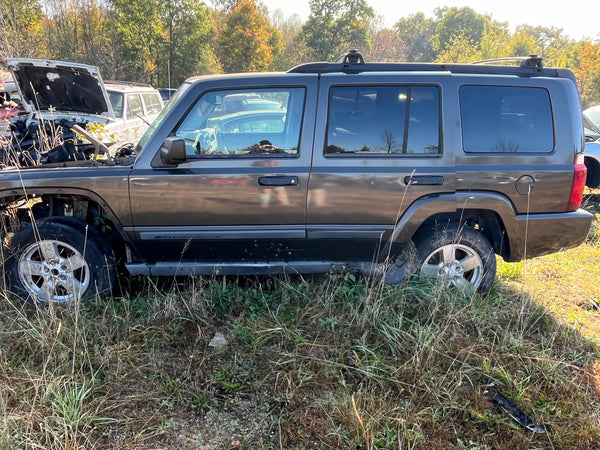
<point x="577" y="18"/>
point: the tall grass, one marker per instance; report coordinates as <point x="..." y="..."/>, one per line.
<point x="329" y="364"/>
<point x="339" y="362"/>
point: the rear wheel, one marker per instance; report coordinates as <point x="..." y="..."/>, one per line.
<point x="458" y="256"/>
<point x="60" y="262"/>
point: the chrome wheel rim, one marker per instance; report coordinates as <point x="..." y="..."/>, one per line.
<point x="456" y="264"/>
<point x="53" y="271"/>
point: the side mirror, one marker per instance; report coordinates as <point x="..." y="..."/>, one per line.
<point x="172" y="151"/>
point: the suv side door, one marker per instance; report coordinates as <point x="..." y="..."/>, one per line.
<point x="382" y="150"/>
<point x="240" y="196"/>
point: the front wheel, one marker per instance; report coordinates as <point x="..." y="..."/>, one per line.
<point x="458" y="256"/>
<point x="55" y="262"/>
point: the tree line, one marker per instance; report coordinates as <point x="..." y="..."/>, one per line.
<point x="163" y="42"/>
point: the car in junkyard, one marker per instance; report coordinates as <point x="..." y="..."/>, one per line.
<point x="69" y="110"/>
<point x="388" y="169"/>
<point x="591" y="153"/>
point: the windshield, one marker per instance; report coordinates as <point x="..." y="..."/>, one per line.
<point x="158" y="121"/>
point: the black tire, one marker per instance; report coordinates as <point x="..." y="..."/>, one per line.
<point x="78" y="263"/>
<point x="458" y="256"/>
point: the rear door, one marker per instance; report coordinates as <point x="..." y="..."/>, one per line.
<point x="382" y="149"/>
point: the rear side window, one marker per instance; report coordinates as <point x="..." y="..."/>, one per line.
<point x="504" y="119"/>
<point x="383" y="120"/>
<point x="152" y="103"/>
<point x="134" y="106"/>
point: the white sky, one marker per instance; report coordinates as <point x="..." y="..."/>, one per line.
<point x="577" y="18"/>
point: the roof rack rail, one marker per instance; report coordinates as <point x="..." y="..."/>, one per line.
<point x="127" y="83"/>
<point x="353" y="63"/>
<point x="531" y="61"/>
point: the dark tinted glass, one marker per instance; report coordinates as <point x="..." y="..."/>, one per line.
<point x="383" y="120"/>
<point x="503" y="119"/>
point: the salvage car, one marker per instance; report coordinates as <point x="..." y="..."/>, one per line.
<point x="389" y="169"/>
<point x="61" y="99"/>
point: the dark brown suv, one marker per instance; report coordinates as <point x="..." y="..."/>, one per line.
<point x="384" y="168"/>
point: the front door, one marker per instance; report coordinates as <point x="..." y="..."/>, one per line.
<point x="241" y="193"/>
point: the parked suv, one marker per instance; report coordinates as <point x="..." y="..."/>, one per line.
<point x="384" y="168"/>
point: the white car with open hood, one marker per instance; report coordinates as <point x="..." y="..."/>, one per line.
<point x="61" y="97"/>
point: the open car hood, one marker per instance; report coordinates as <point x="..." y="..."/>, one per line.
<point x="60" y="87"/>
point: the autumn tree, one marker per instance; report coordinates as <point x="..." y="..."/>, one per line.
<point x="294" y="51"/>
<point x="457" y="26"/>
<point x="76" y="30"/>
<point x="248" y="42"/>
<point x="587" y="72"/>
<point x="336" y="26"/>
<point x="21" y="30"/>
<point x="387" y="47"/>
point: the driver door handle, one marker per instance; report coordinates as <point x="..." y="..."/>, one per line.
<point x="278" y="180"/>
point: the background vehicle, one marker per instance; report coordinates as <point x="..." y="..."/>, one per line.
<point x="387" y="169"/>
<point x="592" y="147"/>
<point x="57" y="96"/>
<point x="134" y="107"/>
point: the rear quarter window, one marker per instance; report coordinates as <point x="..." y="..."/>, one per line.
<point x="506" y="119"/>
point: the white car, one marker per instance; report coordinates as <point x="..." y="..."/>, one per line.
<point x="591" y="153"/>
<point x="66" y="96"/>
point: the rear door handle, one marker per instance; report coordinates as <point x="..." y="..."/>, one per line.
<point x="278" y="181"/>
<point x="424" y="180"/>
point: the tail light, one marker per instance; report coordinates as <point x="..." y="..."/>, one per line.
<point x="578" y="187"/>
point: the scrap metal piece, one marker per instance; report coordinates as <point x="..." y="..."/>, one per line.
<point x="519" y="416"/>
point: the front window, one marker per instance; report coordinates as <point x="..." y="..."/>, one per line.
<point x="234" y="123"/>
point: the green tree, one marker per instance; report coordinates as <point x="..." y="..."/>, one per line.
<point x="458" y="25"/>
<point x="21" y="30"/>
<point x="248" y="42"/>
<point x="187" y="33"/>
<point x="416" y="31"/>
<point x="336" y="26"/>
<point x="136" y="30"/>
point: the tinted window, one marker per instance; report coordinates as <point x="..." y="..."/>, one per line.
<point x="383" y="120"/>
<point x="152" y="103"/>
<point x="504" y="119"/>
<point x="219" y="125"/>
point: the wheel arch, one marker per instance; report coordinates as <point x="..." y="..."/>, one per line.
<point x="22" y="207"/>
<point x="490" y="213"/>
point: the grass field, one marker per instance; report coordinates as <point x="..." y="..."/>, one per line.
<point x="334" y="363"/>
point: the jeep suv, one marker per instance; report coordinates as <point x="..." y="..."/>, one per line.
<point x="385" y="168"/>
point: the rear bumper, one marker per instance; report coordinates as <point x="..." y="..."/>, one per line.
<point x="542" y="234"/>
